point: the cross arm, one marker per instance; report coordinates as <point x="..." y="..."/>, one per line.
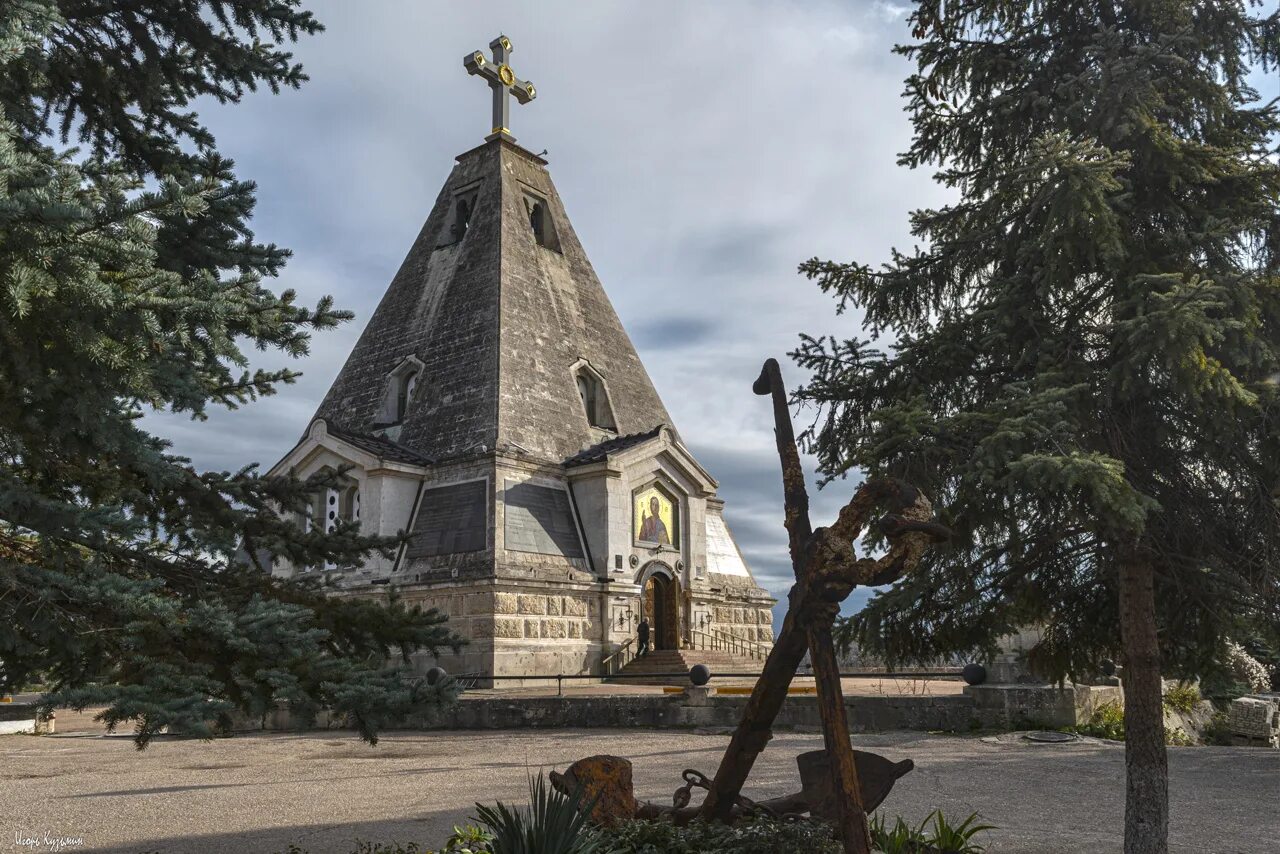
<point x="523" y="90"/>
<point x="476" y="64"/>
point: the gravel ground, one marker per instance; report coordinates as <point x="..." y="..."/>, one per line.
<point x="323" y="791"/>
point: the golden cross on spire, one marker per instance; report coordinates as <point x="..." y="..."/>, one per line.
<point x="503" y="81"/>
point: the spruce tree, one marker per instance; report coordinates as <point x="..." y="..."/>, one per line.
<point x="131" y="281"/>
<point x="1079" y="363"/>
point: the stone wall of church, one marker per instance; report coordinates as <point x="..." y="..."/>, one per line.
<point x="524" y="593"/>
<point x="743" y="609"/>
<point x="543" y="616"/>
<point x="469" y="607"/>
<point x="547" y="628"/>
<point x="515" y="629"/>
<point x="749" y="623"/>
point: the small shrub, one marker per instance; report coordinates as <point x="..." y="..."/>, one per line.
<point x="1107" y="721"/>
<point x="1182" y="698"/>
<point x="957" y="839"/>
<point x="1177" y="737"/>
<point x="933" y="835"/>
<point x="1265" y="652"/>
<point x="1246" y="668"/>
<point x="1218" y="732"/>
<point x="363" y="847"/>
<point x="899" y="839"/>
<point x="467" y="840"/>
<point x="553" y="823"/>
<point x="756" y="836"/>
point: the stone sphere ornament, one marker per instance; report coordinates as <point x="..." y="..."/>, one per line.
<point x="435" y="676"/>
<point x="1108" y="667"/>
<point x="699" y="674"/>
<point x="974" y="674"/>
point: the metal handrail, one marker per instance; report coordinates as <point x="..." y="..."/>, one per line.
<point x="864" y="674"/>
<point x="616" y="660"/>
<point x="708" y="640"/>
<point x="754" y="649"/>
<point x="721" y="640"/>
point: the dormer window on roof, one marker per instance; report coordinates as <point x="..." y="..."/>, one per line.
<point x="461" y="216"/>
<point x="407" y="386"/>
<point x="401" y="392"/>
<point x="540" y="222"/>
<point x="458" y="216"/>
<point x="595" y="398"/>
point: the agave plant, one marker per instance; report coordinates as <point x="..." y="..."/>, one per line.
<point x="940" y="837"/>
<point x="553" y="823"/>
<point x="899" y="839"/>
<point x="957" y="839"/>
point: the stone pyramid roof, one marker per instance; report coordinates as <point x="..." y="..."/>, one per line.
<point x="498" y="320"/>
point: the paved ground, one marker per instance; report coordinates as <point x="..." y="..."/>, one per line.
<point x="260" y="793"/>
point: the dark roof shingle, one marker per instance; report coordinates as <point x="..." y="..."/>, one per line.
<point x="596" y="453"/>
<point x="379" y="446"/>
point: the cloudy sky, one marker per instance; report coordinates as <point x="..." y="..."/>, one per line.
<point x="702" y="151"/>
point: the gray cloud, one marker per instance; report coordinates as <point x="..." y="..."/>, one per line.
<point x="735" y="250"/>
<point x="667" y="334"/>
<point x="702" y="151"/>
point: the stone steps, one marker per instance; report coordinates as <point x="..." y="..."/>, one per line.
<point x="671" y="666"/>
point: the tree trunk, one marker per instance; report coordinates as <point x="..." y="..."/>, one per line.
<point x="1146" y="809"/>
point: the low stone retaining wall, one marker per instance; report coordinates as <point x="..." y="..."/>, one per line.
<point x="21" y="718"/>
<point x="699" y="708"/>
<point x="980" y="707"/>
<point x="983" y="707"/>
<point x="1038" y="706"/>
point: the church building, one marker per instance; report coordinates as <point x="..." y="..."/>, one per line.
<point x="495" y="408"/>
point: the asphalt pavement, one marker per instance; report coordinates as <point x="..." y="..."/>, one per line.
<point x="323" y="791"/>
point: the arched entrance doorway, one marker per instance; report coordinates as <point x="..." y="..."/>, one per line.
<point x="660" y="604"/>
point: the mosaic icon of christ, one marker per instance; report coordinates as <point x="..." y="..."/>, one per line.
<point x="653" y="518"/>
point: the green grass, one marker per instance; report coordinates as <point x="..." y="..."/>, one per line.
<point x="1107" y="721"/>
<point x="1182" y="698"/>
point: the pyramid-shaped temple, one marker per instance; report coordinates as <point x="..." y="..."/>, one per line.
<point x="495" y="408"/>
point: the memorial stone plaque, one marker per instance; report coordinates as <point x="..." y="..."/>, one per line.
<point x="451" y="519"/>
<point x="540" y="520"/>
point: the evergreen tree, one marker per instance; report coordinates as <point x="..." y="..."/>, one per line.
<point x="1082" y="357"/>
<point x="130" y="280"/>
